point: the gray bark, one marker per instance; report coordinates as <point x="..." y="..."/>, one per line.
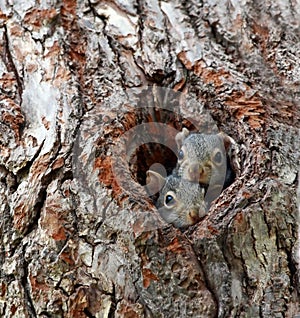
<point x="79" y="235"/>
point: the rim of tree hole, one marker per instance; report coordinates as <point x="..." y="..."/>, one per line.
<point x="139" y="138"/>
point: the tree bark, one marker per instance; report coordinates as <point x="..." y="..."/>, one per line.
<point x="82" y="86"/>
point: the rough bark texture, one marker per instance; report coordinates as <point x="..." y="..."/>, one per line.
<point x="79" y="236"/>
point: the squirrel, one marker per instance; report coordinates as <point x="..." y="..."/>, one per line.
<point x="180" y="201"/>
<point x="204" y="158"/>
<point x="203" y="171"/>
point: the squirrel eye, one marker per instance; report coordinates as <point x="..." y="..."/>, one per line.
<point x="218" y="157"/>
<point x="180" y="154"/>
<point x="169" y="200"/>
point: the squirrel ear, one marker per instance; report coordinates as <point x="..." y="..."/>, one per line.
<point x="154" y="182"/>
<point x="181" y="136"/>
<point x="228" y="141"/>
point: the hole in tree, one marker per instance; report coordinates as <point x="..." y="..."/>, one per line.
<point x="142" y="152"/>
<point x="148" y="155"/>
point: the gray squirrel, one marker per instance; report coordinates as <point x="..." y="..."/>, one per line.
<point x="203" y="171"/>
<point x="204" y="158"/>
<point x="180" y="201"/>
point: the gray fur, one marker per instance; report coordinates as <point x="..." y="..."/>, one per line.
<point x="198" y="163"/>
<point x="189" y="206"/>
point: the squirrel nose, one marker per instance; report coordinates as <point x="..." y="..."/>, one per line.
<point x="193" y="216"/>
<point x="193" y="172"/>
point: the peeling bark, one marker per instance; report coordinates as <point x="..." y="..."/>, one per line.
<point x="79" y="235"/>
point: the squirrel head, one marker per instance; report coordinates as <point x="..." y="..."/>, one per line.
<point x="202" y="157"/>
<point x="180" y="201"/>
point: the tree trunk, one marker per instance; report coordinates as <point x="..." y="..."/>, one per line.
<point x="92" y="94"/>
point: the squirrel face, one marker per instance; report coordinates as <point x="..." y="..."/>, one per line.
<point x="180" y="201"/>
<point x="202" y="158"/>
